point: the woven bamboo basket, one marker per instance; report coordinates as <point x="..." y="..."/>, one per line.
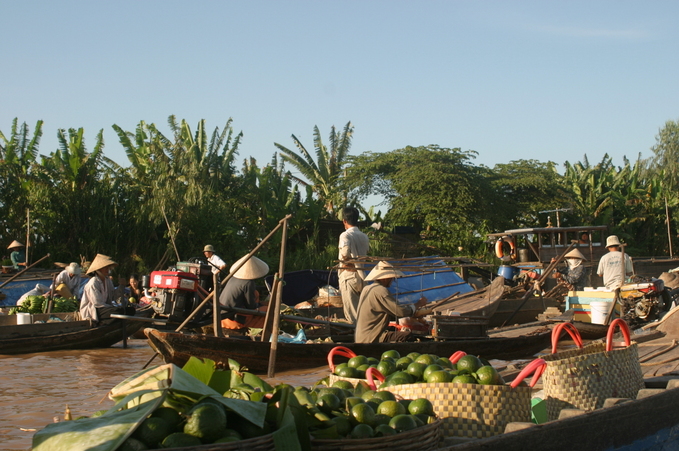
<point x="263" y="443"/>
<point x="471" y="410"/>
<point x="424" y="438"/>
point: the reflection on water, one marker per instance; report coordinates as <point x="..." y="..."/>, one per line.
<point x="35" y="388"/>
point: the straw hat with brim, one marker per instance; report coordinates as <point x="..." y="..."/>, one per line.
<point x="209" y="248"/>
<point x="253" y="269"/>
<point x="383" y="270"/>
<point x="73" y="268"/>
<point x="575" y="254"/>
<point x="612" y="241"/>
<point x="14" y="244"/>
<point x="101" y="261"/>
<point x="670" y="279"/>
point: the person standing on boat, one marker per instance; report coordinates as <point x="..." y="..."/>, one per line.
<point x="98" y="293"/>
<point x="17" y="255"/>
<point x="216" y="264"/>
<point x="241" y="292"/>
<point x="610" y="265"/>
<point x="67" y="283"/>
<point x="352" y="244"/>
<point x="377" y="306"/>
<point x="575" y="275"/>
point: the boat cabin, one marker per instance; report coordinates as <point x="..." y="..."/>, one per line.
<point x="540" y="245"/>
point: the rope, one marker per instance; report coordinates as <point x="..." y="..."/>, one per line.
<point x="644" y="361"/>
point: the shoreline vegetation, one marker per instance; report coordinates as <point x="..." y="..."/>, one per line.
<point x="191" y="187"/>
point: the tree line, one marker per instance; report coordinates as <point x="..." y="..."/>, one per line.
<point x="186" y="189"/>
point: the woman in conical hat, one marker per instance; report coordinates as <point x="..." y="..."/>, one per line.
<point x="377" y="307"/>
<point x="575" y="276"/>
<point x="98" y="292"/>
<point x="18" y="256"/>
<point x="241" y="292"/>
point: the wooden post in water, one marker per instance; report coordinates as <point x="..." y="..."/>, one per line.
<point x="277" y="304"/>
<point x="216" y="311"/>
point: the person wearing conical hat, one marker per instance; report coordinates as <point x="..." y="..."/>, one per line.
<point x="377" y="307"/>
<point x="575" y="275"/>
<point x="610" y="265"/>
<point x="18" y="256"/>
<point x="98" y="293"/>
<point x="241" y="292"/>
<point x="67" y="283"/>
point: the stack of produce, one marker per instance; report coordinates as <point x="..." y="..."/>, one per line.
<point x="466" y="392"/>
<point x="38" y="304"/>
<point x="172" y="407"/>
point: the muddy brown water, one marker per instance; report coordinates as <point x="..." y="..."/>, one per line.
<point x="35" y="388"/>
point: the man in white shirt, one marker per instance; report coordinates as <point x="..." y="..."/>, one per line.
<point x="610" y="265"/>
<point x="352" y="244"/>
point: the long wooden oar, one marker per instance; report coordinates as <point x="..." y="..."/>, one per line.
<point x="22" y="271"/>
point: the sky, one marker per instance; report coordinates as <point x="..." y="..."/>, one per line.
<point x="544" y="80"/>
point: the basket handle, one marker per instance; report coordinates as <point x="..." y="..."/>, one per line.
<point x="624" y="328"/>
<point x="572" y="331"/>
<point x="537" y="367"/>
<point x="338" y="350"/>
<point x="456" y="356"/>
<point x="369" y="375"/>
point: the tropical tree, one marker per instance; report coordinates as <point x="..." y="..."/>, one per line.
<point x="18" y="153"/>
<point x="435" y="190"/>
<point x="325" y="174"/>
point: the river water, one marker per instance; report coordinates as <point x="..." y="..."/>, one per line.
<point x="35" y="388"/>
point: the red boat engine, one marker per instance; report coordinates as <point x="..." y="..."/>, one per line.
<point x="175" y="293"/>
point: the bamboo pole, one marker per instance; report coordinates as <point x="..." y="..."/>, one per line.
<point x="216" y="312"/>
<point x="268" y="320"/>
<point x="277" y="304"/>
<point x="28" y="235"/>
<point x="669" y="230"/>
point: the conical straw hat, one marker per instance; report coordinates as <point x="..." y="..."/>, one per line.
<point x="670" y="279"/>
<point x="15" y="243"/>
<point x="383" y="270"/>
<point x="253" y="269"/>
<point x="575" y="254"/>
<point x="101" y="261"/>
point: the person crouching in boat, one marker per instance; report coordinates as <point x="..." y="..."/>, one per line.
<point x="98" y="293"/>
<point x="377" y="306"/>
<point x="39" y="290"/>
<point x="575" y="275"/>
<point x="67" y="283"/>
<point x="240" y="292"/>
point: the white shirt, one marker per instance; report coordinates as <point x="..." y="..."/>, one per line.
<point x="97" y="293"/>
<point x="611" y="270"/>
<point x="353" y="244"/>
<point x="73" y="283"/>
<point x="216" y="261"/>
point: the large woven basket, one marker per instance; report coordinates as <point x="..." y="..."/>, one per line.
<point x="263" y="443"/>
<point x="584" y="378"/>
<point x="424" y="438"/>
<point x="471" y="410"/>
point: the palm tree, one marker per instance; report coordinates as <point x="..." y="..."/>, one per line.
<point x="326" y="173"/>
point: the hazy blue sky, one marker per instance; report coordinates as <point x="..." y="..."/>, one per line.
<point x="547" y="80"/>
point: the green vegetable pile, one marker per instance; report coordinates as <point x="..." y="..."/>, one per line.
<point x="38" y="304"/>
<point x="421" y="368"/>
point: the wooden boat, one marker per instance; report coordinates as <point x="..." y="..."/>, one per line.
<point x="483" y="302"/>
<point x="69" y="333"/>
<point x="178" y="347"/>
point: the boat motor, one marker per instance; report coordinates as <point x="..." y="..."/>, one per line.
<point x="175" y="293"/>
<point x="643" y="301"/>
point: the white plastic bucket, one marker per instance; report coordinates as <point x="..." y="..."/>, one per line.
<point x="599" y="310"/>
<point x="24" y="318"/>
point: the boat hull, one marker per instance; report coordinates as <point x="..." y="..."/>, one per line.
<point x="177" y="348"/>
<point x="31" y="338"/>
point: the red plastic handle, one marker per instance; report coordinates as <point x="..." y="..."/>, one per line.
<point x="457" y="356"/>
<point x="572" y="331"/>
<point x="338" y="350"/>
<point x="537" y="367"/>
<point x="369" y="375"/>
<point x="624" y="328"/>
